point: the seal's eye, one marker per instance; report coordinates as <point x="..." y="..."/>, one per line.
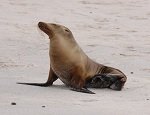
<point x="66" y="30"/>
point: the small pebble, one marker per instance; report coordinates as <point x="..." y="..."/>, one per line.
<point x="131" y="72"/>
<point x="43" y="106"/>
<point x="13" y="103"/>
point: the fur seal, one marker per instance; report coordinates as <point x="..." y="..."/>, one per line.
<point x="73" y="67"/>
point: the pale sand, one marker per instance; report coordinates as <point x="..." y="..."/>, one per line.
<point x="112" y="32"/>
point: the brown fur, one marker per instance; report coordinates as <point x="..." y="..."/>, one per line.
<point x="67" y="60"/>
<point x="66" y="55"/>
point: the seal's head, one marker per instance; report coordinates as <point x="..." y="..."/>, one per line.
<point x="55" y="30"/>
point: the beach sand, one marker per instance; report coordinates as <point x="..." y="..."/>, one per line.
<point x="112" y="32"/>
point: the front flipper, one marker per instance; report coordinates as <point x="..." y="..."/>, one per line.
<point x="52" y="77"/>
<point x="36" y="84"/>
<point x="83" y="90"/>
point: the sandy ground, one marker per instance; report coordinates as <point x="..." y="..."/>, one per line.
<point x="112" y="32"/>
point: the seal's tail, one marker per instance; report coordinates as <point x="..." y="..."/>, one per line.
<point x="36" y="84"/>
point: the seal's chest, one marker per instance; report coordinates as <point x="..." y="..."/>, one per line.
<point x="63" y="74"/>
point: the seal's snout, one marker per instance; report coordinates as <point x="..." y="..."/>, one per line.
<point x="41" y="24"/>
<point x="45" y="27"/>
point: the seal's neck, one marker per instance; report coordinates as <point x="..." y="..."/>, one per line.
<point x="65" y="49"/>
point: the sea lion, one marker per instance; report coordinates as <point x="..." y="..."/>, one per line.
<point x="73" y="67"/>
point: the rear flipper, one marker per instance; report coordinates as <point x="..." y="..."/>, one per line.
<point x="83" y="90"/>
<point x="113" y="81"/>
<point x="118" y="84"/>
